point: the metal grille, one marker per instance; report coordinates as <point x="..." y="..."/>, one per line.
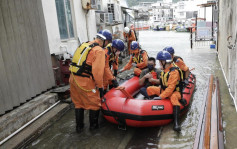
<point x="202" y="37"/>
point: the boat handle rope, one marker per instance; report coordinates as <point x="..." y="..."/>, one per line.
<point x="190" y="86"/>
<point x="122" y="89"/>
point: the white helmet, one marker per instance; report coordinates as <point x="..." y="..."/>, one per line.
<point x="126" y="30"/>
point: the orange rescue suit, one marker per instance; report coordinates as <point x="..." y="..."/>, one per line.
<point x="84" y="90"/>
<point x="130" y="37"/>
<point x="170" y="91"/>
<point x="180" y="63"/>
<point x="141" y="59"/>
<point x="108" y="74"/>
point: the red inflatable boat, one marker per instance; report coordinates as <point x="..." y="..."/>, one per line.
<point x="121" y="108"/>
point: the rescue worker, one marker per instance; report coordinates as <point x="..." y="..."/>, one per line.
<point x="138" y="59"/>
<point x="112" y="52"/>
<point x="133" y="29"/>
<point x="149" y="76"/>
<point x="129" y="37"/>
<point x="86" y="80"/>
<point x="170" y="80"/>
<point x="107" y="35"/>
<point x="179" y="62"/>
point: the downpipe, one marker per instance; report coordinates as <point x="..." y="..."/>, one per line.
<point x="27" y="124"/>
<point x="228" y="85"/>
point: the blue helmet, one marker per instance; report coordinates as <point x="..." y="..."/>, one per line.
<point x="105" y="35"/>
<point x="100" y="32"/>
<point x="118" y="44"/>
<point x="169" y="49"/>
<point x="164" y="56"/>
<point x="134" y="45"/>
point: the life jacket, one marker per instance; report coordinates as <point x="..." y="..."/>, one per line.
<point x="164" y="77"/>
<point x="78" y="66"/>
<point x="111" y="54"/>
<point x="175" y="59"/>
<point x="138" y="59"/>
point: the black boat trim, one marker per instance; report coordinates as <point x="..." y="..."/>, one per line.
<point x="139" y="117"/>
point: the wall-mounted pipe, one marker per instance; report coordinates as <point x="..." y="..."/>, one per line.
<point x="228" y="85"/>
<point x="27" y="124"/>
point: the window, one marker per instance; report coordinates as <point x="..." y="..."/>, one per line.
<point x="65" y="19"/>
<point x="111" y="9"/>
<point x="115" y="9"/>
<point x="99" y="7"/>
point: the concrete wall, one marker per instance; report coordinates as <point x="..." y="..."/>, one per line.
<point x="228" y="27"/>
<point x="84" y="24"/>
<point x="26" y="68"/>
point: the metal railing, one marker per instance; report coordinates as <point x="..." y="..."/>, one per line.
<point x="201" y="37"/>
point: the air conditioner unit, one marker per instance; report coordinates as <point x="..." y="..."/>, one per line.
<point x="98" y="6"/>
<point x="102" y="18"/>
<point x="93" y="4"/>
<point x="88" y="4"/>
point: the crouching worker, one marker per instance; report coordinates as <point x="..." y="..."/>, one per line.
<point x="170" y="85"/>
<point x="86" y="81"/>
<point x="149" y="76"/>
<point x="138" y="59"/>
<point x="178" y="61"/>
<point x="112" y="52"/>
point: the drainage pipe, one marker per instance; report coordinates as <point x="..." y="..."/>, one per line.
<point x="228" y="85"/>
<point x="27" y="124"/>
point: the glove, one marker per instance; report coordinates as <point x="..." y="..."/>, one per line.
<point x="115" y="73"/>
<point x="101" y="92"/>
<point x="134" y="64"/>
<point x="186" y="81"/>
<point x="157" y="98"/>
<point x="115" y="83"/>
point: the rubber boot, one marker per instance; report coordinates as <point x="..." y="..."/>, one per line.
<point x="79" y="113"/>
<point x="93" y="117"/>
<point x="176" y="111"/>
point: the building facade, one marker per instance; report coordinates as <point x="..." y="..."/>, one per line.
<point x="227" y="40"/>
<point x="32" y="31"/>
<point x="112" y="15"/>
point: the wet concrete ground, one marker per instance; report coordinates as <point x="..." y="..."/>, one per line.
<point x="62" y="134"/>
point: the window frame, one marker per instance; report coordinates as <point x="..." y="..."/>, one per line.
<point x="67" y="23"/>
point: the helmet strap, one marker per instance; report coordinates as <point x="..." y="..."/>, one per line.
<point x="103" y="43"/>
<point x="163" y="65"/>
